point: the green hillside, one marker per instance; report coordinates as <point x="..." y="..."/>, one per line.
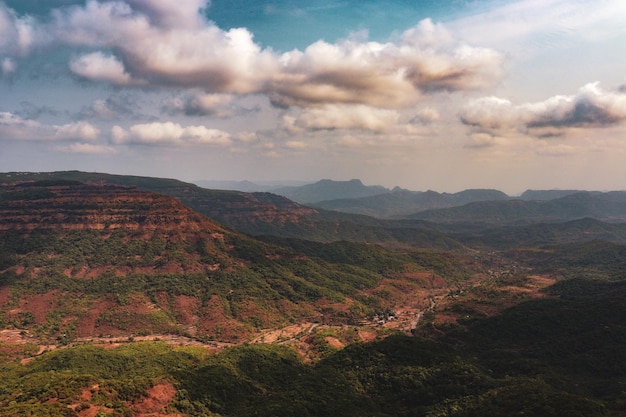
<point x="542" y="358"/>
<point x="84" y="260"/>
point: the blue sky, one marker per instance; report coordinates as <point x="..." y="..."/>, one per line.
<point x="442" y="95"/>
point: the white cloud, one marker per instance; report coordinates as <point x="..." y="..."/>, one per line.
<point x="13" y="127"/>
<point x="18" y="35"/>
<point x="424" y="60"/>
<point x="88" y="148"/>
<point x="79" y="130"/>
<point x="97" y="66"/>
<point x="181" y="53"/>
<point x="167" y="43"/>
<point x="590" y="107"/>
<point x="169" y="133"/>
<point x="334" y="116"/>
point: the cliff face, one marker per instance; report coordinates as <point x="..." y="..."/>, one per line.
<point x="32" y="206"/>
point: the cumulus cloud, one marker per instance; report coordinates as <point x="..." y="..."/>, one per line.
<point x="184" y="51"/>
<point x="15" y="128"/>
<point x="424" y="60"/>
<point x="78" y="130"/>
<point x="333" y="116"/>
<point x="100" y="67"/>
<point x="169" y="133"/>
<point x="590" y="107"/>
<point x="168" y="43"/>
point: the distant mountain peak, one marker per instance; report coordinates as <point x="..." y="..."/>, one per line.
<point x="327" y="189"/>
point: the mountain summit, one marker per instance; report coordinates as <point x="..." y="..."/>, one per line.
<point x="330" y="190"/>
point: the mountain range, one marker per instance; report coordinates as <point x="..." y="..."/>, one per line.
<point x="137" y="296"/>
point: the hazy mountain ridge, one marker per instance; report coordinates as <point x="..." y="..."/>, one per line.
<point x="543" y="234"/>
<point x="609" y="206"/>
<point x="328" y="190"/>
<point x="547" y="194"/>
<point x="400" y="203"/>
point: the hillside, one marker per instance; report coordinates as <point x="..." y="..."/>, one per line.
<point x="80" y="260"/>
<point x="525" y="320"/>
<point x="542" y="358"/>
<point x="265" y="213"/>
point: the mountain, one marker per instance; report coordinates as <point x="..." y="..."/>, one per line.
<point x="543" y="234"/>
<point x="530" y="195"/>
<point x="399" y="202"/>
<point x="329" y="190"/>
<point x="265" y="213"/>
<point x="609" y="206"/>
<point x="232" y="208"/>
<point x="82" y="260"/>
<point x="278" y="326"/>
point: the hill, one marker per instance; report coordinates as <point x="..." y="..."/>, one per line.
<point x="529" y="321"/>
<point x="609" y="206"/>
<point x="329" y="190"/>
<point x="542" y="234"/>
<point x="80" y="260"/>
<point x="265" y="213"/>
<point x="542" y="358"/>
<point x="399" y="202"/>
<point x="542" y="195"/>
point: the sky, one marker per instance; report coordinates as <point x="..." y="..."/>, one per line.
<point x="443" y="95"/>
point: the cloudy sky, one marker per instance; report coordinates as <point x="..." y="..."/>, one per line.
<point x="423" y="94"/>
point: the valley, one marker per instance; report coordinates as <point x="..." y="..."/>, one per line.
<point x="136" y="296"/>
